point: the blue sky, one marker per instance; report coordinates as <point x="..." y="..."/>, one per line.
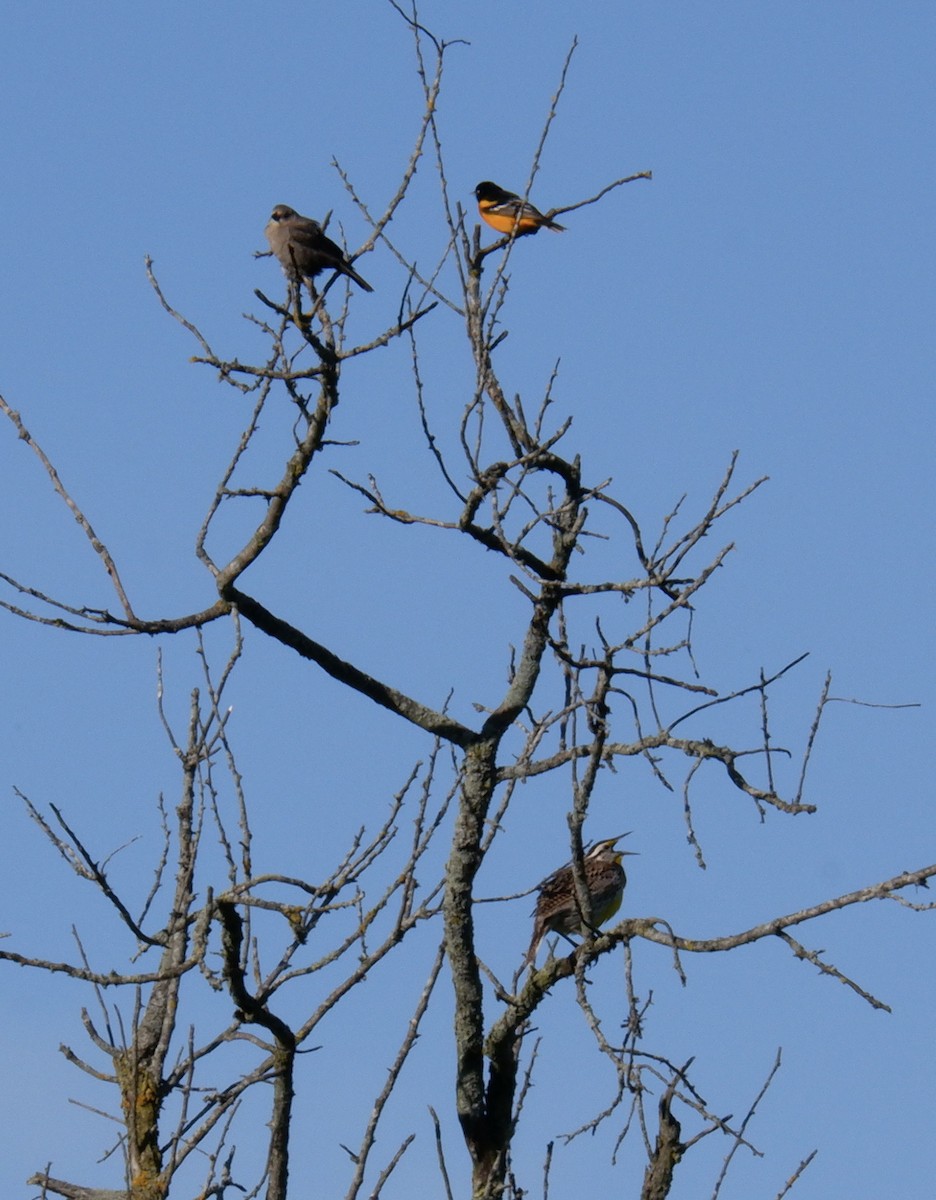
<point x="770" y="291"/>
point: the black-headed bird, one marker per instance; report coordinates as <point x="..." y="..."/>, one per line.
<point x="506" y="211"/>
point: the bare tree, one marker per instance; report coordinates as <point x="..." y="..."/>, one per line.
<point x="603" y="672"/>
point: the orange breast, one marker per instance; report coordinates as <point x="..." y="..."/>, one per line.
<point x="504" y="223"/>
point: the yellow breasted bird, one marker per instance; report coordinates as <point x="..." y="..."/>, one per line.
<point x="506" y="211"/>
<point x="557" y="909"/>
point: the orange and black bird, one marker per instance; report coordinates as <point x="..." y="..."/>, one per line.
<point x="506" y="211"/>
<point x="303" y="249"/>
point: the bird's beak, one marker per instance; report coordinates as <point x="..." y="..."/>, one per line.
<point x="610" y="842"/>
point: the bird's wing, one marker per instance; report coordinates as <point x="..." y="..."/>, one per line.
<point x="553" y="886"/>
<point x="514" y="206"/>
<point x="303" y="231"/>
<point x="310" y="237"/>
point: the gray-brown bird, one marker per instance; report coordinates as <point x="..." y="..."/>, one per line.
<point x="303" y="249"/>
<point x="557" y="909"/>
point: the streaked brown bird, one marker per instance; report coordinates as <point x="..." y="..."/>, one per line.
<point x="506" y="211"/>
<point x="303" y="249"/>
<point x="557" y="909"/>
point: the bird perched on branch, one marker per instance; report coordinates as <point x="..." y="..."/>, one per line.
<point x="303" y="249"/>
<point x="557" y="908"/>
<point x="506" y="211"/>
